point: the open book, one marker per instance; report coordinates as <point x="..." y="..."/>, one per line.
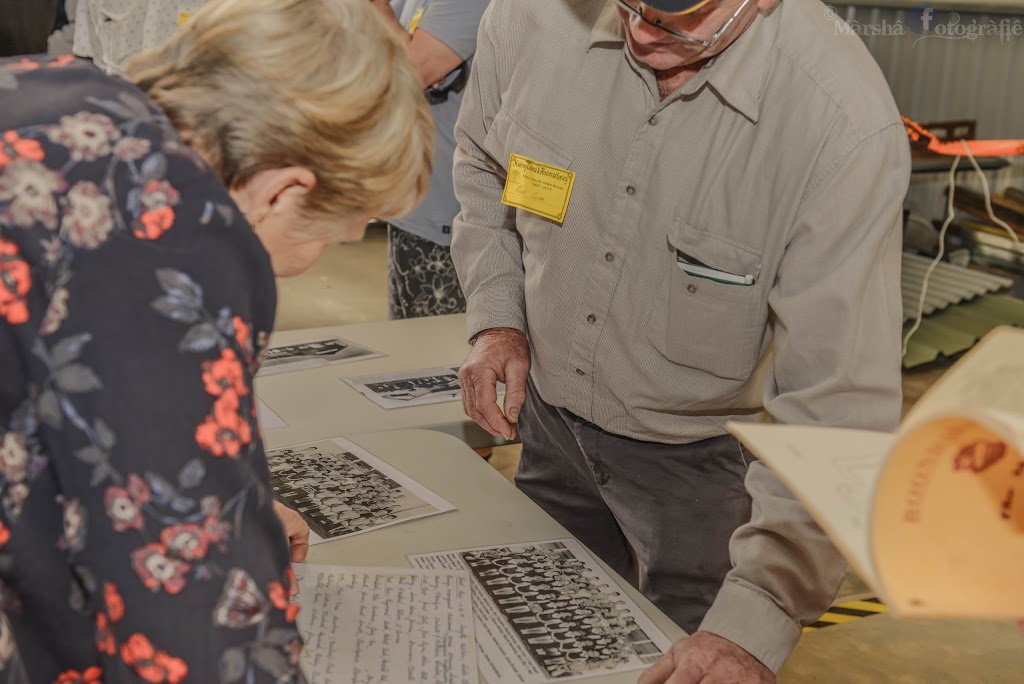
<point x="932" y="517"/>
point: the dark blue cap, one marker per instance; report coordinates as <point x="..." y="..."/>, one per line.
<point x="675" y="6"/>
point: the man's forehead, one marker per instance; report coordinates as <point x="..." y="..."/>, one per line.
<point x="676" y="6"/>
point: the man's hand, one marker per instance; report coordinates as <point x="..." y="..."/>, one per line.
<point x="499" y="354"/>
<point x="296" y="529"/>
<point x="707" y="658"/>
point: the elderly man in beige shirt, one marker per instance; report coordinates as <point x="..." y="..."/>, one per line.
<point x="674" y="214"/>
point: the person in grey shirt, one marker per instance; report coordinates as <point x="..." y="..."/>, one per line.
<point x="729" y="250"/>
<point x="442" y="39"/>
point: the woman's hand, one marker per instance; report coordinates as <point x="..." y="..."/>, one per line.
<point x="296" y="529"/>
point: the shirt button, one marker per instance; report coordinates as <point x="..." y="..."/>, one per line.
<point x="654" y="121"/>
<point x="630" y="190"/>
<point x="691" y="288"/>
<point x="591" y="319"/>
<point x="609" y="257"/>
<point x="579" y="372"/>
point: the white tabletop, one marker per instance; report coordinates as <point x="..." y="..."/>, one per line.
<point x="490" y="511"/>
<point x="317" y="403"/>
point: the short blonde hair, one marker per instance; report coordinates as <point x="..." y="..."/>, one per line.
<point x="322" y="84"/>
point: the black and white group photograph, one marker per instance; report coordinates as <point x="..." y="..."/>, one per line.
<point x="569" y="618"/>
<point x="340" y="489"/>
<point x="313" y="354"/>
<point x="410" y="388"/>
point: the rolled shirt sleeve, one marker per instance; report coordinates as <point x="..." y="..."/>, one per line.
<point x="837" y="317"/>
<point x="485" y="245"/>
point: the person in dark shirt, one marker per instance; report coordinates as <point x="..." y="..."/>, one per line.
<point x="142" y="223"/>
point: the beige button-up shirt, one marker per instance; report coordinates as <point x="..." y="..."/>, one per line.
<point x="784" y="160"/>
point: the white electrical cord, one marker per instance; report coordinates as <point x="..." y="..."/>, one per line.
<point x="988" y="200"/>
<point x="950" y="214"/>
<point x="945" y="226"/>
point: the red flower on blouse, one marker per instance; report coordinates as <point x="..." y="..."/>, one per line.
<point x="280" y="600"/>
<point x="105" y="641"/>
<point x="13" y="146"/>
<point x="224" y="374"/>
<point x="115" y="604"/>
<point x="91" y="676"/>
<point x="277" y="595"/>
<point x="243" y="334"/>
<point x="25" y="64"/>
<point x="157" y="571"/>
<point x="226" y="431"/>
<point x="124" y="504"/>
<point x="15" y="281"/>
<point x="150" y="664"/>
<point x="154" y="223"/>
<point x="187" y="540"/>
<point x="62" y="61"/>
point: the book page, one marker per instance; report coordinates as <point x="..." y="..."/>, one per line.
<point x="833" y="472"/>
<point x="948" y="530"/>
<point x="989" y="376"/>
<point x="546" y="611"/>
<point x="385" y="626"/>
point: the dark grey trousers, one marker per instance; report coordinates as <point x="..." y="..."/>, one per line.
<point x="675" y="506"/>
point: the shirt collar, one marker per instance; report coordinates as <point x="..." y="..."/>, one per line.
<point x="608" y="27"/>
<point x="738" y="75"/>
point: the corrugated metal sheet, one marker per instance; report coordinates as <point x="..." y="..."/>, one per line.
<point x="948" y="285"/>
<point x="960" y="327"/>
<point x="943" y="79"/>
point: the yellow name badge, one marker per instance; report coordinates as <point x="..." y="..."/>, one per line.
<point x="183" y="17"/>
<point x="415" y="23"/>
<point x="538" y="188"/>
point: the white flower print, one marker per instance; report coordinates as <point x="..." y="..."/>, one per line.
<point x="157" y="194"/>
<point x="87" y="218"/>
<point x="74" y="525"/>
<point x="86" y="136"/>
<point x="130" y="149"/>
<point x="13" y="458"/>
<point x="56" y="313"/>
<point x="29" y="187"/>
<point x="7" y="645"/>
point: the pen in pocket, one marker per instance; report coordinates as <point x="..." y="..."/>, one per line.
<point x="701" y="271"/>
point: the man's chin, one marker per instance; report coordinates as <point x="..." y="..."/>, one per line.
<point x="660" y="60"/>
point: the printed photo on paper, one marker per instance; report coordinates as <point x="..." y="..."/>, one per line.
<point x="341" y="489"/>
<point x="546" y="611"/>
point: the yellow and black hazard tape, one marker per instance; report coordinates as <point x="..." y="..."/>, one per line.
<point x="846" y="612"/>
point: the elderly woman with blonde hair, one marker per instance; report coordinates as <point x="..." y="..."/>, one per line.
<point x="141" y="225"/>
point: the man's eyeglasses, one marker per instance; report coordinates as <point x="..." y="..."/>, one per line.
<point x="637" y="10"/>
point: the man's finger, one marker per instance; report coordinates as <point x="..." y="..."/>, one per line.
<point x="485" y="386"/>
<point x="465" y="382"/>
<point x="471" y="406"/>
<point x="659" y="672"/>
<point x="516" y="373"/>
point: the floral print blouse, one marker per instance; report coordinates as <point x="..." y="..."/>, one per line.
<point x="137" y="537"/>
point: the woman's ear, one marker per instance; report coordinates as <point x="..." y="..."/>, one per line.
<point x="272" y="189"/>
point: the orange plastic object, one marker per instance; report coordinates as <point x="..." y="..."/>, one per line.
<point x="979" y="148"/>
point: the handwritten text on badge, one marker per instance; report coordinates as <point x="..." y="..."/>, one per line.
<point x="538" y="188"/>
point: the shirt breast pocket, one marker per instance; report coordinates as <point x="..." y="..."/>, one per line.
<point x="508" y="135"/>
<point x="713" y="314"/>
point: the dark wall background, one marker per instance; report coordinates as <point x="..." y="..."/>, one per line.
<point x="24" y="25"/>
